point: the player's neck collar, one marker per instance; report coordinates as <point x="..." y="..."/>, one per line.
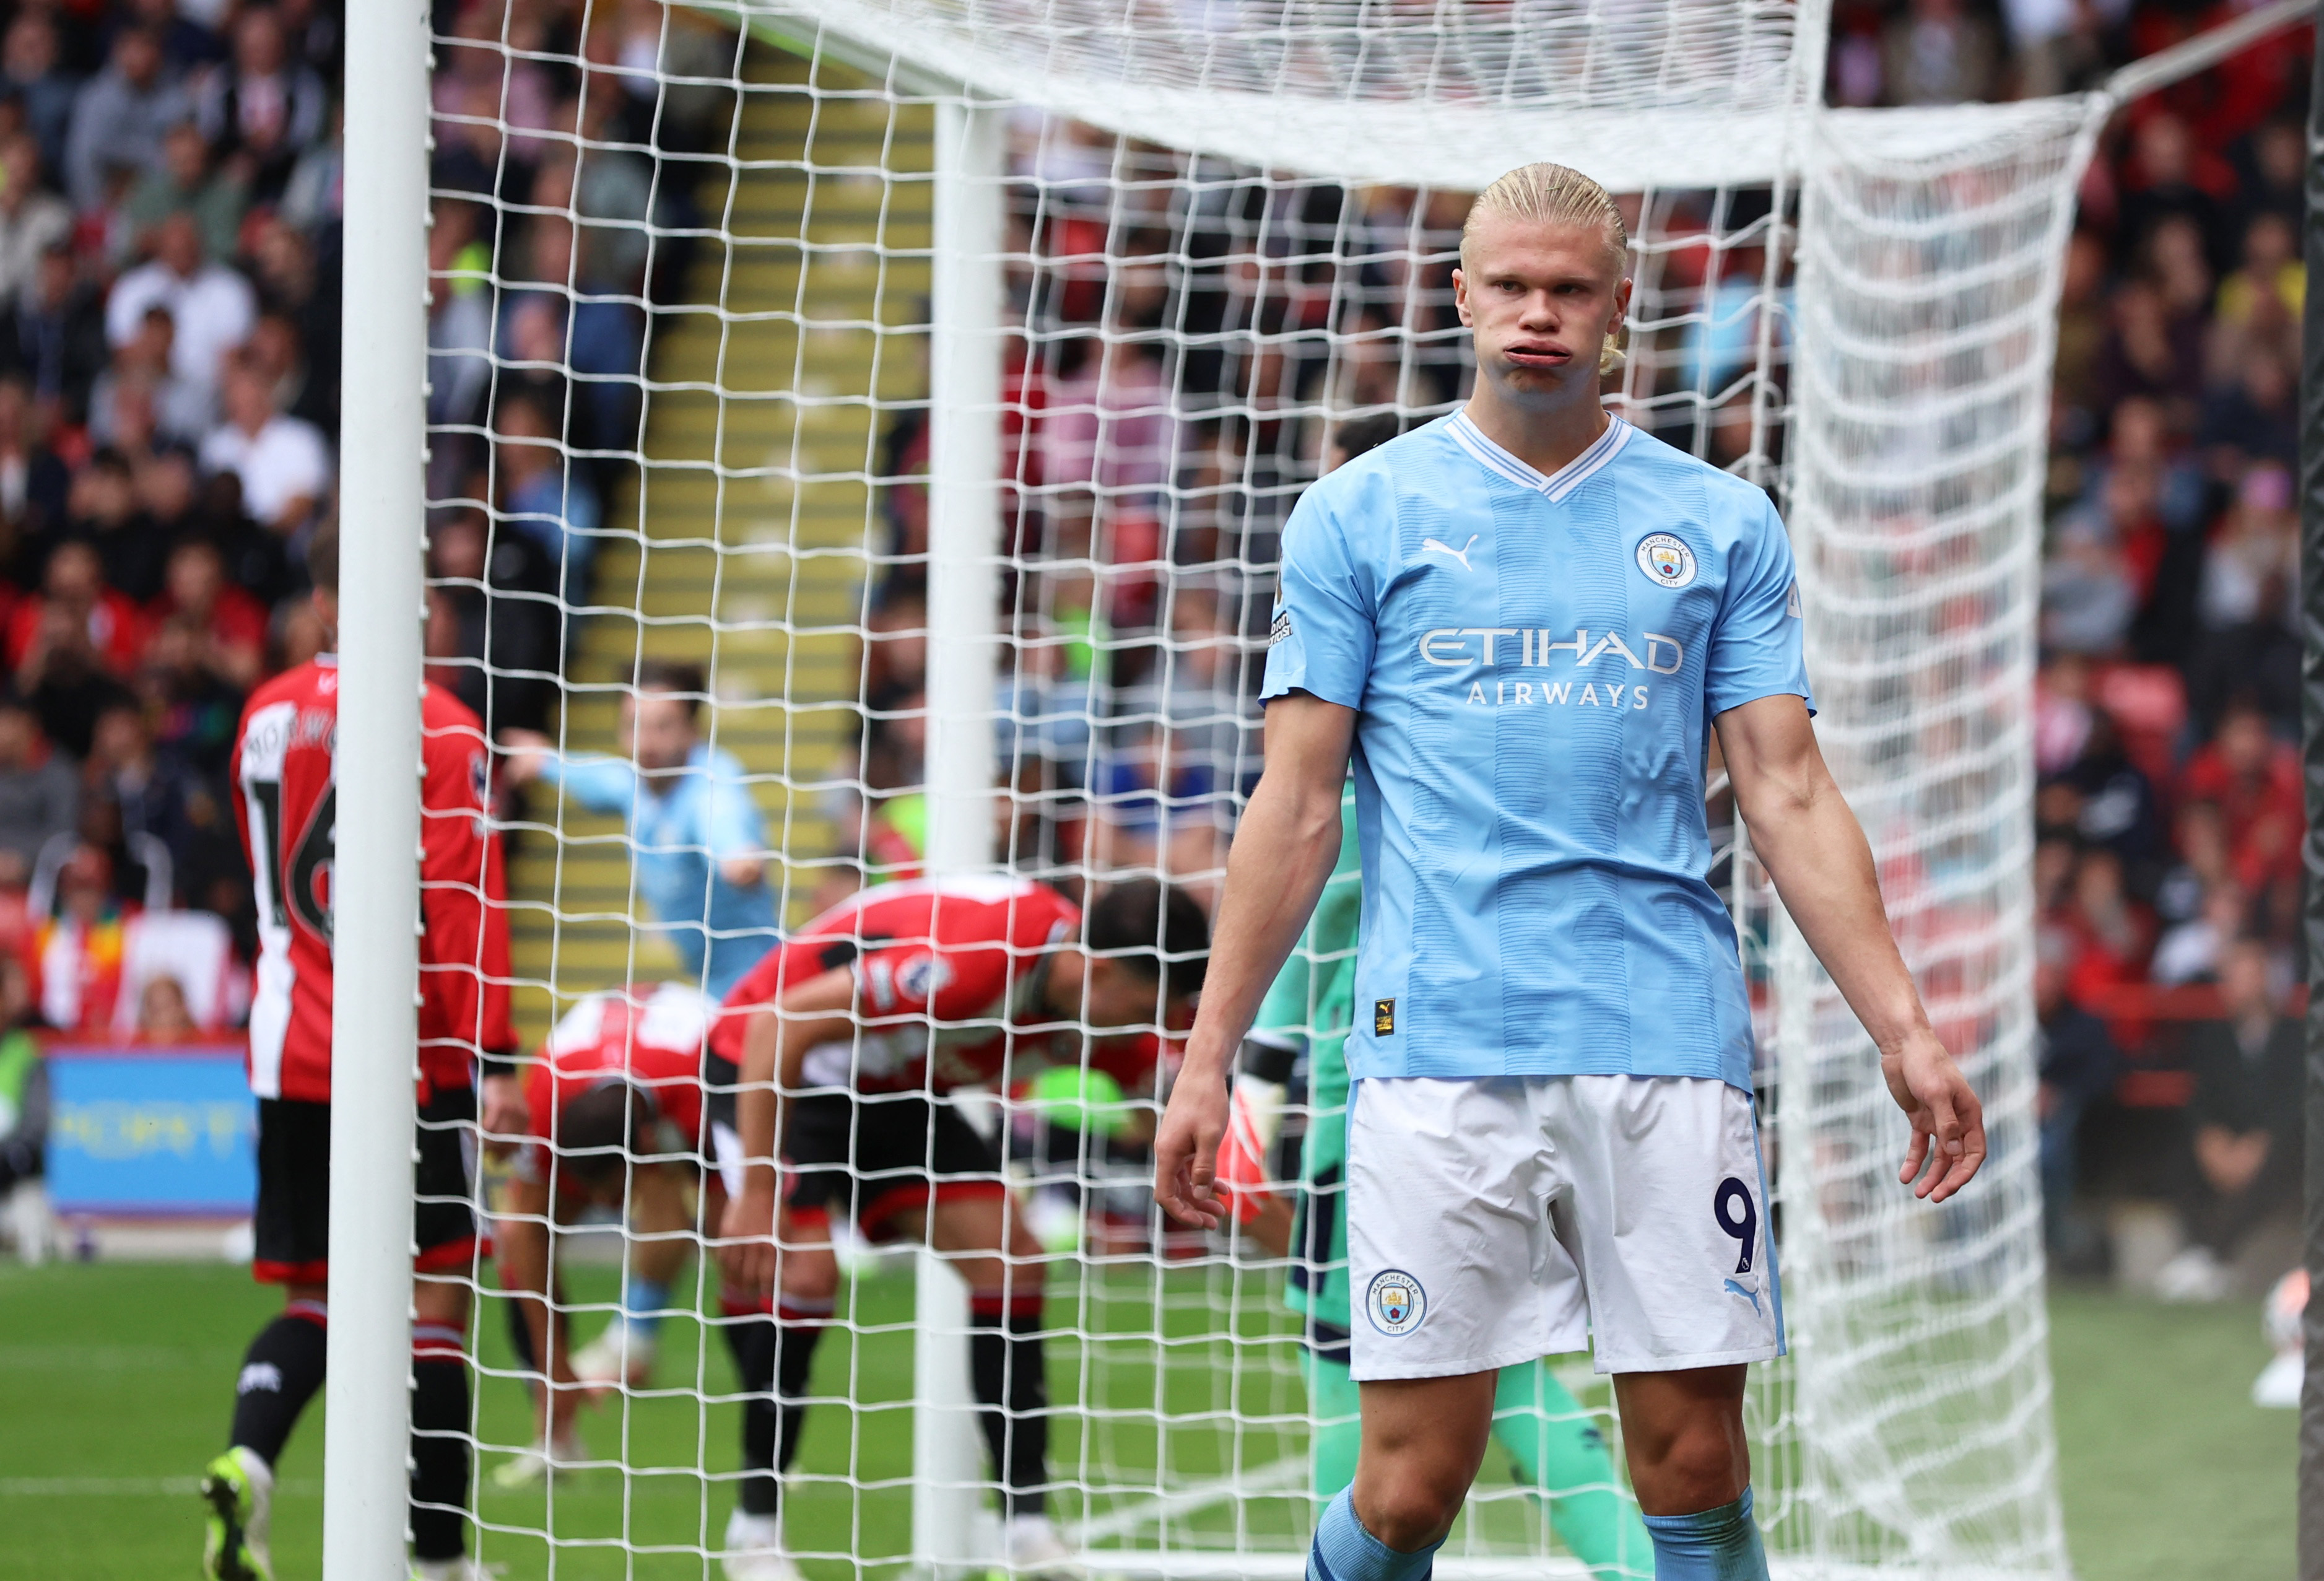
<point x="1557" y="484"/>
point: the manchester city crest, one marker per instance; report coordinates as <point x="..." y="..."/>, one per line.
<point x="1396" y="1302"/>
<point x="1666" y="559"/>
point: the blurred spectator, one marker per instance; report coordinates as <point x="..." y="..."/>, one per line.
<point x="40" y="794"/>
<point x="2255" y="418"/>
<point x="316" y="195"/>
<point x="491" y="608"/>
<point x="23" y="1083"/>
<point x="184" y="181"/>
<point x="2114" y="804"/>
<point x="120" y="118"/>
<point x="156" y="797"/>
<point x="263" y="110"/>
<point x="1939" y="52"/>
<point x="2107" y="932"/>
<point x="2254" y="780"/>
<point x="211" y="305"/>
<point x="52" y="336"/>
<point x="32" y="220"/>
<point x="543" y="495"/>
<point x="75" y="956"/>
<point x="460" y="316"/>
<point x="184" y="688"/>
<point x="2191" y="951"/>
<point x="181" y="411"/>
<point x="104" y="516"/>
<point x="76" y="611"/>
<point x="36" y="78"/>
<point x="2243" y="1162"/>
<point x="2079" y="1065"/>
<point x="2088" y="597"/>
<point x="282" y="461"/>
<point x="233" y="623"/>
<point x="161" y="1013"/>
<point x="2170" y="174"/>
<point x="68" y="646"/>
<point x="295" y="288"/>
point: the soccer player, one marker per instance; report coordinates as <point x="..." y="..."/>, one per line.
<point x="847" y="1041"/>
<point x="700" y="844"/>
<point x="1524" y="620"/>
<point x="698" y="838"/>
<point x="618" y="1120"/>
<point x="282" y="768"/>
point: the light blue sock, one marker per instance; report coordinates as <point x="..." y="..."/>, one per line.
<point x="643" y="1300"/>
<point x="1716" y="1545"/>
<point x="1344" y="1551"/>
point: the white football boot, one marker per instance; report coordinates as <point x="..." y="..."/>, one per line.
<point x="528" y="1466"/>
<point x="754" y="1549"/>
<point x="462" y="1568"/>
<point x="1031" y="1545"/>
<point x="620" y="1354"/>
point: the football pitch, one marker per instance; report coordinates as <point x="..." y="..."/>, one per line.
<point x="116" y="1381"/>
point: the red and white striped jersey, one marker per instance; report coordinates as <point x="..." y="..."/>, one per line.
<point x="284" y="768"/>
<point x="942" y="967"/>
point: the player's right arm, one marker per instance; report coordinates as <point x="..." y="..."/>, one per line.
<point x="1282" y="856"/>
<point x="775" y="1044"/>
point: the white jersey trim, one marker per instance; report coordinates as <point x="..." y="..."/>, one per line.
<point x="1558" y="485"/>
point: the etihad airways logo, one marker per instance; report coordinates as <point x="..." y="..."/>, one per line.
<point x="1454" y="647"/>
<point x="1537" y="648"/>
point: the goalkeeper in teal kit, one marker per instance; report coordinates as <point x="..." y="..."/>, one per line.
<point x="1555" y="1447"/>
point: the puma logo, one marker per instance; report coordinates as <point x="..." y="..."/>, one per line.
<point x="1751" y="1295"/>
<point x="1430" y="545"/>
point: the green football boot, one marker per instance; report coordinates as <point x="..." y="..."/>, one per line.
<point x="239" y="1489"/>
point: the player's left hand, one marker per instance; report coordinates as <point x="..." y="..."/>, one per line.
<point x="1948" y="1121"/>
<point x="505" y="1119"/>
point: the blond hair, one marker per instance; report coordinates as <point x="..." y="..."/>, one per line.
<point x="1550" y="194"/>
<point x="1546" y="193"/>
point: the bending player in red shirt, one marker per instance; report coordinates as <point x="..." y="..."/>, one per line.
<point x="283" y="770"/>
<point x="617" y="1121"/>
<point x="845" y="1042"/>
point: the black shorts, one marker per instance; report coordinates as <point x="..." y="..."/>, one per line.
<point x="293" y="1219"/>
<point x="873" y="1156"/>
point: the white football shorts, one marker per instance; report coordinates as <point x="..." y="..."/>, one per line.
<point x="1496" y="1219"/>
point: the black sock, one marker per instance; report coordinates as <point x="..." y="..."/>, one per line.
<point x="519" y="1333"/>
<point x="772" y="1359"/>
<point x="1007" y="1366"/>
<point x="439" y="1444"/>
<point x="280" y="1372"/>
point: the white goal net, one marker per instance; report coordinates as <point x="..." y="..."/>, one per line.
<point x="938" y="375"/>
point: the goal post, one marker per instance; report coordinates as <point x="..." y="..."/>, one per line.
<point x="941" y="375"/>
<point x="375" y="870"/>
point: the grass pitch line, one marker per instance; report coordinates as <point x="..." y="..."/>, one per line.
<point x="1275" y="1475"/>
<point x="116" y="1487"/>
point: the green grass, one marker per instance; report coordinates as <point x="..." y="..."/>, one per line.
<point x="2167" y="1470"/>
<point x="118" y="1380"/>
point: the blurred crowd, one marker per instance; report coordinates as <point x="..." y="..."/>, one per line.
<point x="170" y="195"/>
<point x="1195" y="339"/>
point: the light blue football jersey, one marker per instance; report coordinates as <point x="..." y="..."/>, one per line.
<point x="1536" y="662"/>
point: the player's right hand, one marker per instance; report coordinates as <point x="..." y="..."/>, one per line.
<point x="1186" y="1148"/>
<point x="748" y="1229"/>
<point x="1948" y="1121"/>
